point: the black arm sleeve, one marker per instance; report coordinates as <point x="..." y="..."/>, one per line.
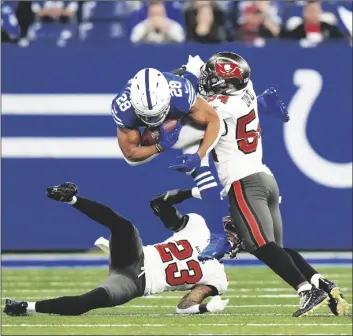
<point x="163" y="208"/>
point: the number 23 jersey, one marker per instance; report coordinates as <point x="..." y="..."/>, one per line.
<point x="173" y="264"/>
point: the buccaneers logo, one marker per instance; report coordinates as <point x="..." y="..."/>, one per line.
<point x="228" y="70"/>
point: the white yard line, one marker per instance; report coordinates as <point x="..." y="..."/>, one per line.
<point x="229" y="306"/>
<point x="238" y="290"/>
<point x="87" y="256"/>
<point x="262" y="334"/>
<point x="59" y="278"/>
<point x="128" y="325"/>
<point x="206" y="316"/>
<point x="333" y="276"/>
<point x="11" y="281"/>
<point x="158" y="297"/>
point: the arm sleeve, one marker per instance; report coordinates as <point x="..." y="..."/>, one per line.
<point x="185" y="96"/>
<point x="192" y="79"/>
<point x="335" y="32"/>
<point x="121" y="109"/>
<point x="163" y="207"/>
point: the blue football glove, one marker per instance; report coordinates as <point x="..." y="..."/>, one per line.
<point x="269" y="103"/>
<point x="187" y="163"/>
<point x="169" y="139"/>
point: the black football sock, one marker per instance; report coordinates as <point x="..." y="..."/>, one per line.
<point x="302" y="264"/>
<point x="104" y="215"/>
<point x="281" y="263"/>
<point x="75" y="305"/>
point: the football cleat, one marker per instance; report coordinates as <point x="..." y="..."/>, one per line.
<point x="15" y="308"/>
<point x="216" y="249"/>
<point x="63" y="192"/>
<point x="338" y="305"/>
<point x="273" y="105"/>
<point x="310" y="300"/>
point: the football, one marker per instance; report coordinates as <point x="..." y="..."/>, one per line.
<point x="150" y="136"/>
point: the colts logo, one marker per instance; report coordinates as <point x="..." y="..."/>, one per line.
<point x="228" y="70"/>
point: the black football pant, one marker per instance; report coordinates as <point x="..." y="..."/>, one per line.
<point x="126" y="261"/>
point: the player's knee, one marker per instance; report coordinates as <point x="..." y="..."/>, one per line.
<point x="252" y="247"/>
<point x="279" y="243"/>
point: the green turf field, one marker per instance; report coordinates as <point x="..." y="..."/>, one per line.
<point x="260" y="303"/>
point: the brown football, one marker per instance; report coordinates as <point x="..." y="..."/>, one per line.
<point x="150" y="136"/>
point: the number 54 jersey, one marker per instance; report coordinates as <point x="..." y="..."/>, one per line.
<point x="173" y="264"/>
<point x="239" y="151"/>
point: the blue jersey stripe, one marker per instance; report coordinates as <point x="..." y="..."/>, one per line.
<point x="147" y="84"/>
<point x="57" y="126"/>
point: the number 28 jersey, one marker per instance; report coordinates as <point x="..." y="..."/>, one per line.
<point x="173" y="264"/>
<point x="239" y="151"/>
<point x="183" y="97"/>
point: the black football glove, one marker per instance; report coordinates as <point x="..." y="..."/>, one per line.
<point x="63" y="192"/>
<point x="170" y="197"/>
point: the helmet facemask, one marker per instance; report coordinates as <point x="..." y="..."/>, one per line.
<point x="233" y="238"/>
<point x="209" y="84"/>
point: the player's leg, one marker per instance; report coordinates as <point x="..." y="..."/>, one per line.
<point x="210" y="192"/>
<point x="189" y="141"/>
<point x="123" y="286"/>
<point x="115" y="290"/>
<point x="251" y="214"/>
<point x="125" y="242"/>
<point x="65" y="305"/>
<point x="337" y="303"/>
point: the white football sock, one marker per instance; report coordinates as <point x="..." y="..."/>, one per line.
<point x="31" y="308"/>
<point x="304" y="288"/>
<point x="315" y="279"/>
<point x="73" y="201"/>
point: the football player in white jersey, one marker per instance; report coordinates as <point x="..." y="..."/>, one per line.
<point x="252" y="189"/>
<point x="135" y="270"/>
<point x="151" y="97"/>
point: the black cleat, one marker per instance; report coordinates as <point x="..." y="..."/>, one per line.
<point x="338" y="305"/>
<point x="15" y="308"/>
<point x="310" y="300"/>
<point x="63" y="192"/>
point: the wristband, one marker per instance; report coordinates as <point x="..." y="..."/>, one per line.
<point x="159" y="148"/>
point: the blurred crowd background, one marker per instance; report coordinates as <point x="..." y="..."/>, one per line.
<point x="161" y="22"/>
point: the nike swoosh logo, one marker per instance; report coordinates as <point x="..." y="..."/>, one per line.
<point x="307" y="302"/>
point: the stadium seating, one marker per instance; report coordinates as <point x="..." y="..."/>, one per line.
<point x="9" y="22"/>
<point x="173" y="8"/>
<point x="115" y="19"/>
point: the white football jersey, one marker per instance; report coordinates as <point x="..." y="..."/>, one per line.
<point x="239" y="151"/>
<point x="173" y="264"/>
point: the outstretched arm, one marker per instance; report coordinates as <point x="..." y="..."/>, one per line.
<point x="191" y="303"/>
<point x="204" y="115"/>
